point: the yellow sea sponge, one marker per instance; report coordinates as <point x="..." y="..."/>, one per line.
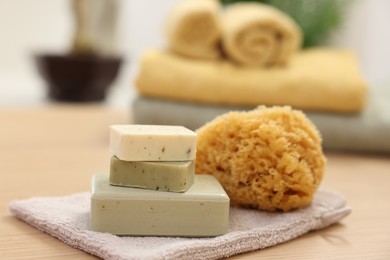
<point x="267" y="158"/>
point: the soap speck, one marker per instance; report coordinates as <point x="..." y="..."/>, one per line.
<point x="157" y="188"/>
<point x="163" y="149"/>
<point x="189" y="150"/>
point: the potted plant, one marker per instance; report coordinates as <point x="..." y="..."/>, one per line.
<point x="92" y="63"/>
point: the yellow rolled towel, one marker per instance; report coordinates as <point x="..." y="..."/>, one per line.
<point x="317" y="79"/>
<point x="193" y="29"/>
<point x="256" y="34"/>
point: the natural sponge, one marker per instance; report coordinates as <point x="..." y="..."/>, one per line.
<point x="267" y="158"/>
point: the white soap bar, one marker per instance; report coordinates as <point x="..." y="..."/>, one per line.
<point x="203" y="210"/>
<point x="152" y="143"/>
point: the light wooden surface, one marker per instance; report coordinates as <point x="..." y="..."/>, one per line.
<point x="54" y="150"/>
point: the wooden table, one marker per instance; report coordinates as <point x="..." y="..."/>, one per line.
<point x="54" y="150"/>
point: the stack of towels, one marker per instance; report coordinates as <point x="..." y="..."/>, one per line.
<point x="246" y="55"/>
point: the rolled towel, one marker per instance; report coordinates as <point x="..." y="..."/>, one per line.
<point x="316" y="79"/>
<point x="193" y="29"/>
<point x="256" y="34"/>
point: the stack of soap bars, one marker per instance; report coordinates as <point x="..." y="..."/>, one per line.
<point x="152" y="189"/>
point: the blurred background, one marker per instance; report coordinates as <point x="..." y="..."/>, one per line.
<point x="31" y="27"/>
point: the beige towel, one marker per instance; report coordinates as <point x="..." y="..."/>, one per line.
<point x="67" y="218"/>
<point x="316" y="79"/>
<point x="256" y="34"/>
<point x="193" y="29"/>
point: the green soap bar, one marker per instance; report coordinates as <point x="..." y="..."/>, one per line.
<point x="201" y="211"/>
<point x="162" y="176"/>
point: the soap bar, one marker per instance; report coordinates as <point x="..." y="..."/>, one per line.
<point x="152" y="143"/>
<point x="162" y="176"/>
<point x="201" y="211"/>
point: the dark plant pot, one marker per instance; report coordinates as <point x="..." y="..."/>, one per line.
<point x="77" y="78"/>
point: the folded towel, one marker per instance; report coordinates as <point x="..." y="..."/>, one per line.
<point x="259" y="35"/>
<point x="368" y="131"/>
<point x="67" y="218"/>
<point x="317" y="79"/>
<point x="193" y="29"/>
